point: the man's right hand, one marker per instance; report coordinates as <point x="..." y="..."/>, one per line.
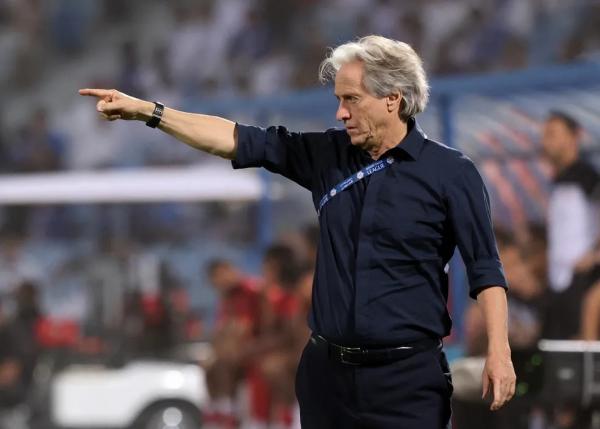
<point x="114" y="105"/>
<point x="211" y="134"/>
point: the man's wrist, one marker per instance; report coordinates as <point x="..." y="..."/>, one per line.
<point x="501" y="349"/>
<point x="145" y="111"/>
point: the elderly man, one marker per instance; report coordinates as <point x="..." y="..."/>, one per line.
<point x="392" y="207"/>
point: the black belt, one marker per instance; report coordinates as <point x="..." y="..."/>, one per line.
<point x="374" y="356"/>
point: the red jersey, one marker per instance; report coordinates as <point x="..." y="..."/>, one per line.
<point x="240" y="306"/>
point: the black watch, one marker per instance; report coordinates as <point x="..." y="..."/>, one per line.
<point x="159" y="108"/>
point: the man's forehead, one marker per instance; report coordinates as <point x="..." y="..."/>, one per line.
<point x="557" y="123"/>
<point x="352" y="71"/>
<point x="349" y="77"/>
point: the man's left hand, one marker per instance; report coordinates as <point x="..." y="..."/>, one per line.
<point x="499" y="378"/>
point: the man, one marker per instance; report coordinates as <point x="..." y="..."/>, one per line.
<point x="392" y="206"/>
<point x="573" y="225"/>
<point x="237" y="326"/>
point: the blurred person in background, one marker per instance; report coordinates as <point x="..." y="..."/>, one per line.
<point x="279" y="365"/>
<point x="526" y="304"/>
<point x="525" y="299"/>
<point x="535" y="250"/>
<point x="23" y="325"/>
<point x="236" y="326"/>
<point x="131" y="73"/>
<point x="72" y="24"/>
<point x="590" y="315"/>
<point x="573" y="217"/>
<point x="573" y="222"/>
<point x="250" y="44"/>
<point x="16" y="264"/>
<point x="19" y="353"/>
<point x="191" y="42"/>
<point x="379" y="302"/>
<point x="276" y="351"/>
<point x="37" y="147"/>
<point x="12" y="391"/>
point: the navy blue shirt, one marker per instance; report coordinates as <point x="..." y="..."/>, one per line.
<point x="385" y="241"/>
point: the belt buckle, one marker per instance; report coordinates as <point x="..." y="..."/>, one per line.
<point x="346" y="351"/>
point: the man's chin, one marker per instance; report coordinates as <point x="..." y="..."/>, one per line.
<point x="357" y="140"/>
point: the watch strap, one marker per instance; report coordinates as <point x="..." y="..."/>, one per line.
<point x="159" y="108"/>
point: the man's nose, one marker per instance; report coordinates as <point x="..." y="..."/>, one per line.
<point x="342" y="114"/>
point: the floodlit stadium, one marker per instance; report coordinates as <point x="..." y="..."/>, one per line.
<point x="147" y="284"/>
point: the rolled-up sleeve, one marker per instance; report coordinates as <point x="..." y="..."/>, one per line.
<point x="293" y="155"/>
<point x="470" y="217"/>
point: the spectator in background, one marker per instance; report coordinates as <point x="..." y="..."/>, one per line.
<point x="585" y="37"/>
<point x="131" y="74"/>
<point x="535" y="250"/>
<point x="248" y="46"/>
<point x="383" y="18"/>
<point x="19" y="353"/>
<point x="191" y="55"/>
<point x="310" y="55"/>
<point x="28" y="54"/>
<point x="23" y="327"/>
<point x="12" y="391"/>
<point x="273" y="73"/>
<point x="281" y="339"/>
<point x="458" y="50"/>
<point x="37" y="146"/>
<point x="236" y="326"/>
<point x="72" y="23"/>
<point x="157" y="77"/>
<point x="525" y="299"/>
<point x="573" y="218"/>
<point x="16" y="264"/>
<point x="573" y="221"/>
<point x="590" y="315"/>
<point x="525" y="304"/>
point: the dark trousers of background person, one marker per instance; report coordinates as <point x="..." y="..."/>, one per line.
<point x="469" y="415"/>
<point x="409" y="393"/>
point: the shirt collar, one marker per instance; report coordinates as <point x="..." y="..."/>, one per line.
<point x="412" y="143"/>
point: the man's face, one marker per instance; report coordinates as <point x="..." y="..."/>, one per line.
<point x="224" y="278"/>
<point x="363" y="114"/>
<point x="557" y="139"/>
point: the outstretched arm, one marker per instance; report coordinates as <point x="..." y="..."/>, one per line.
<point x="210" y="134"/>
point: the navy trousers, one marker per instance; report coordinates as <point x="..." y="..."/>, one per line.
<point x="410" y="393"/>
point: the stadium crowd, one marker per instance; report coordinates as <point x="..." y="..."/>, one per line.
<point x="59" y="264"/>
<point x="205" y="50"/>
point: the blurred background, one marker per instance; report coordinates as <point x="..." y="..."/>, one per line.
<point x="144" y="284"/>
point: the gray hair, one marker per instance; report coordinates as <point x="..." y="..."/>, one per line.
<point x="390" y="67"/>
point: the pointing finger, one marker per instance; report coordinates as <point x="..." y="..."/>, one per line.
<point x="93" y="92"/>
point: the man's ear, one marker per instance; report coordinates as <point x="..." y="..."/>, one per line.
<point x="394" y="101"/>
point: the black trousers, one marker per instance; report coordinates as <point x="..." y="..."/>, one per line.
<point x="410" y="393"/>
